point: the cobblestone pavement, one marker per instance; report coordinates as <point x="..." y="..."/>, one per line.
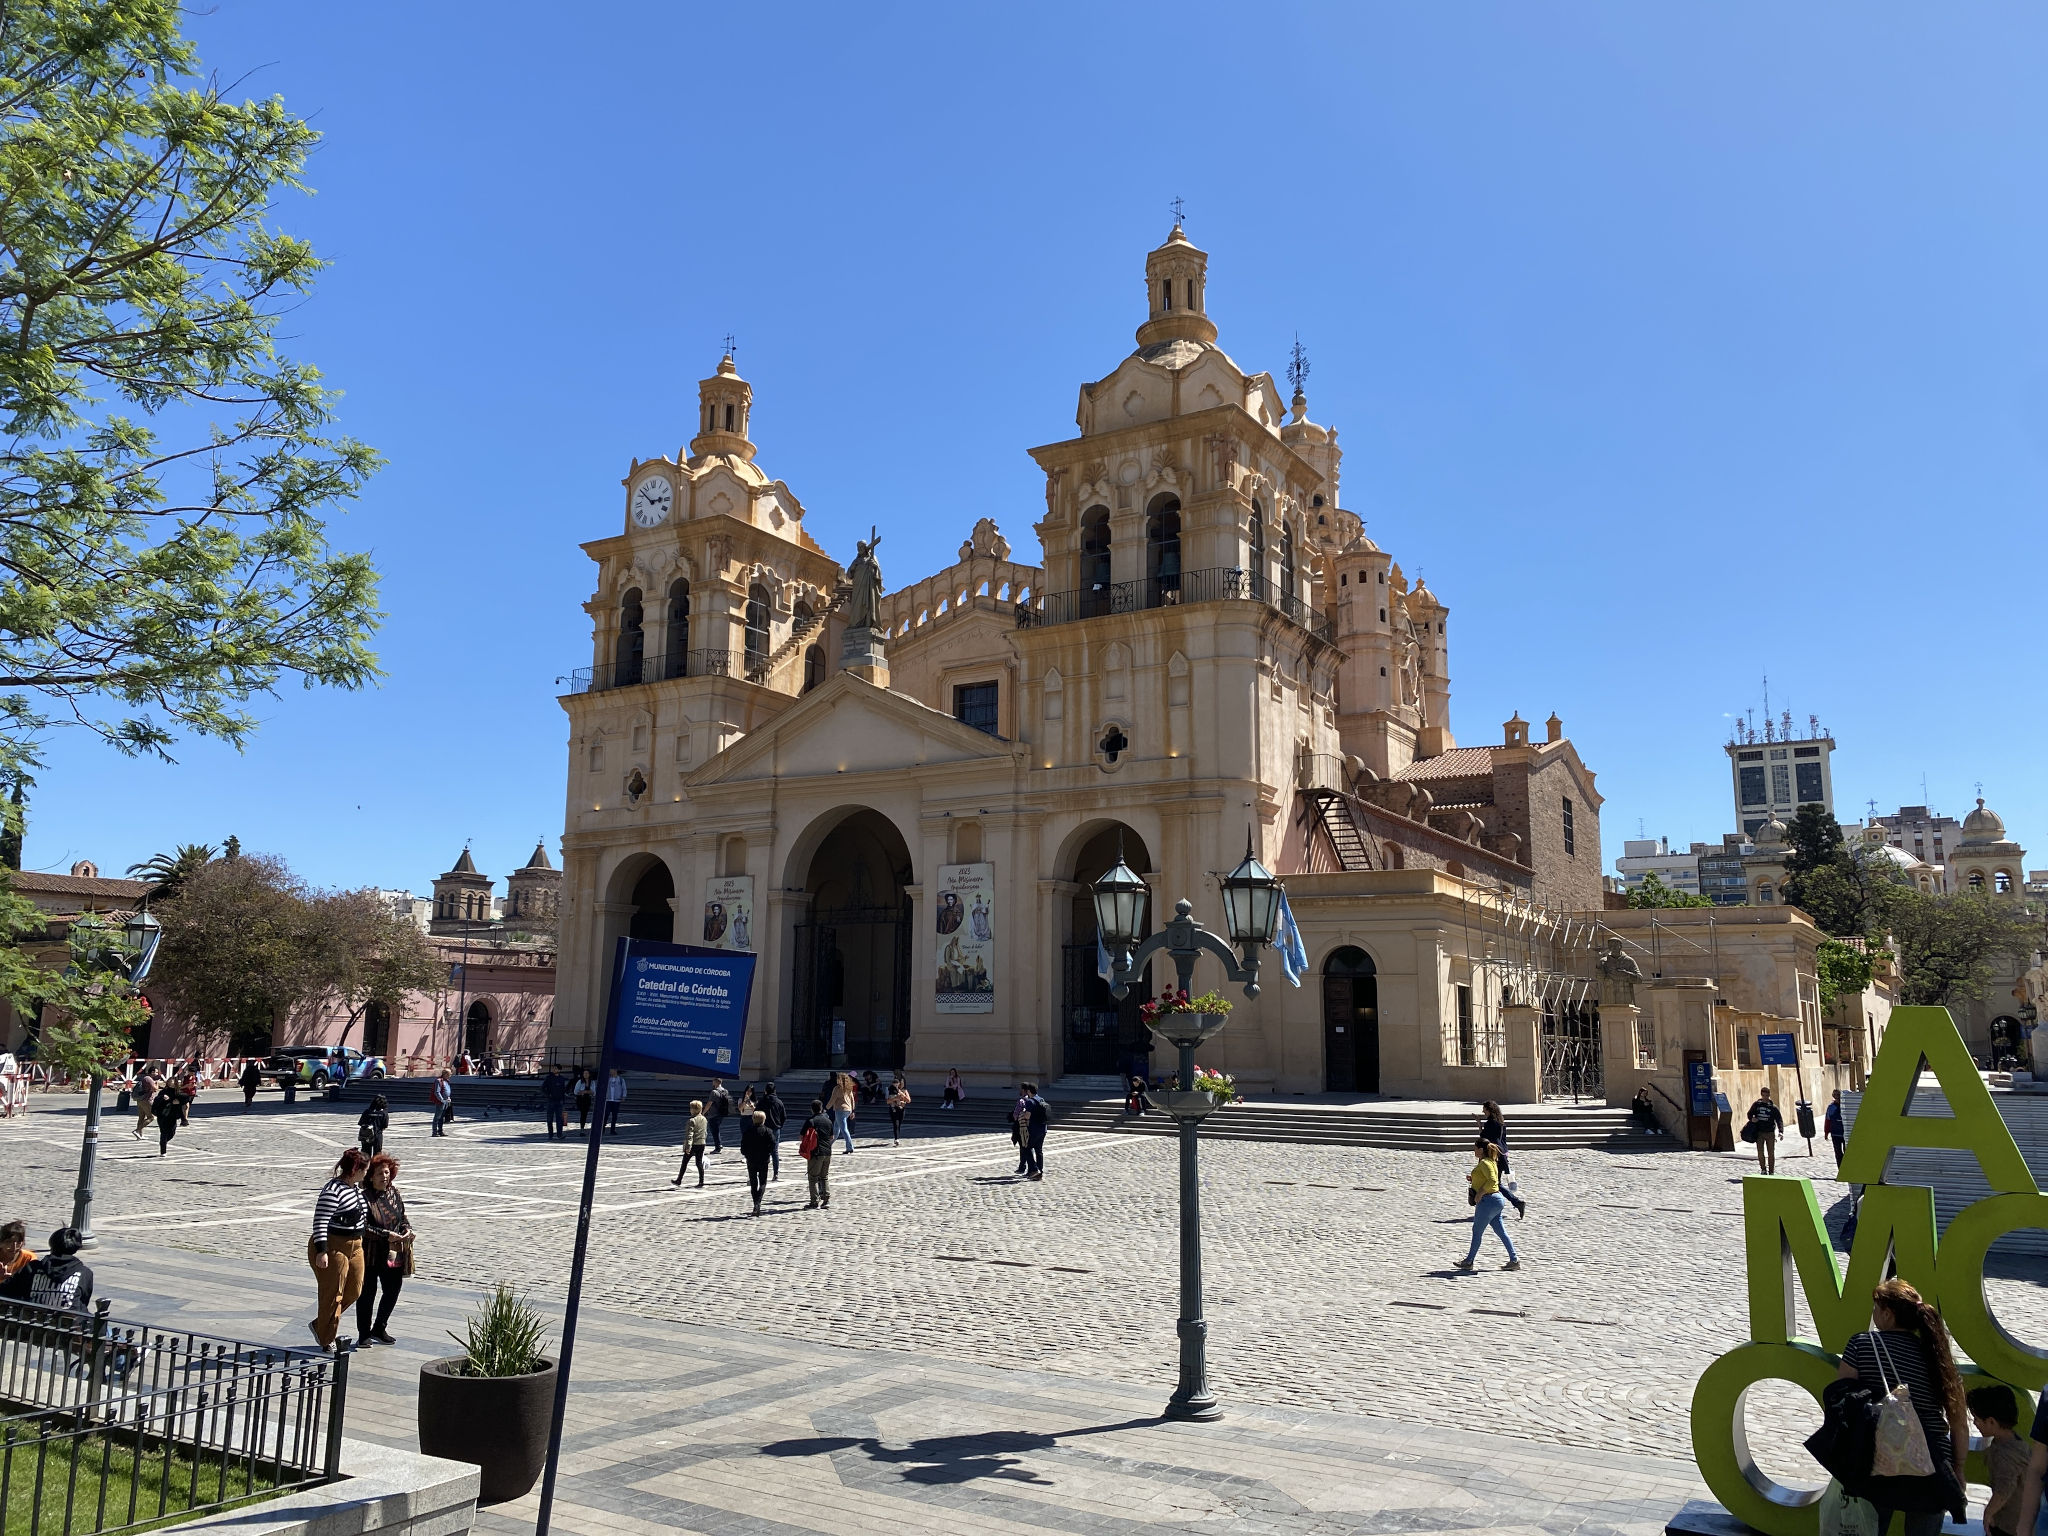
<point x="1329" y="1284"/>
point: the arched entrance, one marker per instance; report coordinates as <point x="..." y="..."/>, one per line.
<point x="1351" y="1022"/>
<point x="476" y="1029"/>
<point x="1098" y="1034"/>
<point x="850" y="976"/>
<point x="654" y="907"/>
<point x="376" y="1030"/>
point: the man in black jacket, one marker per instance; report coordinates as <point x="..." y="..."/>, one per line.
<point x="756" y="1145"/>
<point x="778" y="1114"/>
<point x="717" y="1105"/>
<point x="58" y="1279"/>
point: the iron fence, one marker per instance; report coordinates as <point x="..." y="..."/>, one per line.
<point x="111" y="1423"/>
<point x="633" y="671"/>
<point x="1219" y="584"/>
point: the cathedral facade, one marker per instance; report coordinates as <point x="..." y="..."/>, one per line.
<point x="903" y="818"/>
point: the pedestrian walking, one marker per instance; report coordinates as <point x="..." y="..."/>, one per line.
<point x="61" y="1279"/>
<point x="1831" y="1123"/>
<point x="1485" y="1181"/>
<point x="1037" y="1113"/>
<point x="387" y="1251"/>
<point x="554" y="1095"/>
<point x="15" y="1254"/>
<point x="584" y="1096"/>
<point x="169" y="1107"/>
<point x="747" y="1106"/>
<point x="251" y="1080"/>
<point x="145" y="1098"/>
<point x="816" y="1149"/>
<point x="841" y="1105"/>
<point x="899" y="1104"/>
<point x="954" y="1092"/>
<point x="371" y="1125"/>
<point x="614" y="1101"/>
<point x="1019" y="1116"/>
<point x="1908" y="1343"/>
<point x="757" y="1146"/>
<point x="1493" y="1127"/>
<point x="188" y="1092"/>
<point x="443" y="1095"/>
<point x="777" y="1113"/>
<point x="693" y="1143"/>
<point x="716" y="1107"/>
<point x="340" y="1217"/>
<point x="1762" y="1127"/>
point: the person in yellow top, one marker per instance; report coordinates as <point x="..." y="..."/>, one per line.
<point x="693" y="1142"/>
<point x="1485" y="1181"/>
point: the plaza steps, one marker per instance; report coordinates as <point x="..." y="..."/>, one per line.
<point x="1449" y="1129"/>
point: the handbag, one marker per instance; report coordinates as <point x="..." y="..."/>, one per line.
<point x="407" y="1240"/>
<point x="1901" y="1449"/>
<point x="1843" y="1514"/>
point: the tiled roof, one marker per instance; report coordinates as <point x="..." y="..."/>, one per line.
<point x="1458" y="763"/>
<point x="31" y="882"/>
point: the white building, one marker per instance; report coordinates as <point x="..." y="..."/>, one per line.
<point x="1774" y="774"/>
<point x="1653" y="856"/>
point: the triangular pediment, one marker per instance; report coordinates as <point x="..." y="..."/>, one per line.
<point x="849" y="726"/>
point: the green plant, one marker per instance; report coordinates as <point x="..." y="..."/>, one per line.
<point x="1840" y="968"/>
<point x="506" y="1337"/>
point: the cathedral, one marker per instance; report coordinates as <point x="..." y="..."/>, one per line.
<point x="898" y="798"/>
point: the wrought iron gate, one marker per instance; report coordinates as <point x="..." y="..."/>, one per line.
<point x="1571" y="1052"/>
<point x="870" y="1031"/>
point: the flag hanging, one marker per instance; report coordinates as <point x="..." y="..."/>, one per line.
<point x="1293" y="958"/>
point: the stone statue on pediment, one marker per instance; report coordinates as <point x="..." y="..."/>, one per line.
<point x="864" y="608"/>
<point x="1619" y="974"/>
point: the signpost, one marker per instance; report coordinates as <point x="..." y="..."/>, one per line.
<point x="670" y="1007"/>
<point x="1778" y="1050"/>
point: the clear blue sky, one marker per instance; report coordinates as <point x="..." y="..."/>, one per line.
<point x="1673" y="347"/>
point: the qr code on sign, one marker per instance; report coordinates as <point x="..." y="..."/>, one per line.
<point x="725" y="1056"/>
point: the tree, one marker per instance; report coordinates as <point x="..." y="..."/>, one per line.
<point x="163" y="468"/>
<point x="1813" y="840"/>
<point x="168" y="872"/>
<point x="365" y="953"/>
<point x="235" y="959"/>
<point x="86" y="1012"/>
<point x="1655" y="893"/>
<point x="1949" y="945"/>
<point x="1840" y="968"/>
<point x="1843" y="889"/>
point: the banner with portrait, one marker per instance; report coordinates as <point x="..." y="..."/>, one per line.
<point x="729" y="913"/>
<point x="964" y="938"/>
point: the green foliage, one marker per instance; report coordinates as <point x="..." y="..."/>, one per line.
<point x="1844" y="890"/>
<point x="1813" y="841"/>
<point x="87" y="1007"/>
<point x="1655" y="893"/>
<point x="506" y="1337"/>
<point x="163" y="469"/>
<point x="166" y="872"/>
<point x="1950" y="945"/>
<point x="1841" y="968"/>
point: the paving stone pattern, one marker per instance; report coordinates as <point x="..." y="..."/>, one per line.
<point x="1329" y="1284"/>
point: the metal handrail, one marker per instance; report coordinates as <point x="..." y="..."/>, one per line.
<point x="1215" y="585"/>
<point x="658" y="669"/>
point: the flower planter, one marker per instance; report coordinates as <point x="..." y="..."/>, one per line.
<point x="498" y="1424"/>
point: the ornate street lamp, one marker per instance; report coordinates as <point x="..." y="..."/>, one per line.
<point x="1251" y="903"/>
<point x="141" y="933"/>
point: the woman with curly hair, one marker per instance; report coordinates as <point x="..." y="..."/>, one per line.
<point x="1908" y="1343"/>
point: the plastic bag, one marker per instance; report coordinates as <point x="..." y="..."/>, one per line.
<point x="1842" y="1514"/>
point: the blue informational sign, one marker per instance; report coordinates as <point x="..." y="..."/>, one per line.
<point x="679" y="1007"/>
<point x="1700" y="1084"/>
<point x="1777" y="1050"/>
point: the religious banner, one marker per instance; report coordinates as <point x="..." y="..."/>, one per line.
<point x="964" y="938"/>
<point x="729" y="912"/>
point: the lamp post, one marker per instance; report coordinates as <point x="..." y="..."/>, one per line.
<point x="142" y="932"/>
<point x="1251" y="907"/>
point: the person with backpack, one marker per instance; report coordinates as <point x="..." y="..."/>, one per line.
<point x="1763" y="1126"/>
<point x="251" y="1080"/>
<point x="1831" y="1123"/>
<point x="1907" y="1344"/>
<point x="145" y="1096"/>
<point x="757" y="1145"/>
<point x="815" y="1148"/>
<point x="717" y="1105"/>
<point x="169" y="1107"/>
<point x="1037" y="1114"/>
<point x="371" y="1125"/>
<point x="778" y="1115"/>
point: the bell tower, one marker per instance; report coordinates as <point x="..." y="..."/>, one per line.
<point x="723" y="403"/>
<point x="1176" y="283"/>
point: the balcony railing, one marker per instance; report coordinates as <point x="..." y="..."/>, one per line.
<point x="1218" y="585"/>
<point x="656" y="669"/>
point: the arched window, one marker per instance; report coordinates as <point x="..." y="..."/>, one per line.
<point x="1286" y="563"/>
<point x="1095" y="561"/>
<point x="1162" y="550"/>
<point x="757" y="624"/>
<point x="1166" y="293"/>
<point x="1255" y="550"/>
<point x="2001" y="882"/>
<point x="1764" y="895"/>
<point x="678" y="629"/>
<point x="632" y="648"/>
<point x="728" y="418"/>
<point x="814" y="667"/>
<point x="1976" y="880"/>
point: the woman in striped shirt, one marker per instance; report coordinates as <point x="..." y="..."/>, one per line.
<point x="336" y="1250"/>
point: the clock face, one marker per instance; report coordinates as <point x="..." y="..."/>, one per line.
<point x="651" y="500"/>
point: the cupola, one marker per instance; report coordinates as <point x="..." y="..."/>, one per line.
<point x="1176" y="277"/>
<point x="723" y="403"/>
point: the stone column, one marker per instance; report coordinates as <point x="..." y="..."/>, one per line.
<point x="1523" y="1025"/>
<point x="1619" y="1023"/>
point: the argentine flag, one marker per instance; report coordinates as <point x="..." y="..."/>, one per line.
<point x="1287" y="940"/>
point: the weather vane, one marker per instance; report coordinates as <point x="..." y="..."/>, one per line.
<point x="729" y="344"/>
<point x="1297" y="368"/>
<point x="1178" y="205"/>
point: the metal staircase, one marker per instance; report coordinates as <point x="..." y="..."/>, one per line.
<point x="1333" y="810"/>
<point x="798" y="634"/>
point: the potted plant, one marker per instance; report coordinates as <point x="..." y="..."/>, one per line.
<point x="1187" y="1021"/>
<point x="490" y="1405"/>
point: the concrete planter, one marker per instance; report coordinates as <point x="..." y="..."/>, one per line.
<point x="391" y="1492"/>
<point x="498" y="1424"/>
